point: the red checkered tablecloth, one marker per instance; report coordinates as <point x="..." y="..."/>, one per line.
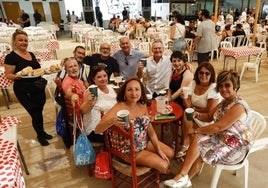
<point x="10" y="168"/>
<point x="2" y="59"/>
<point x="53" y="45"/>
<point x="240" y="51"/>
<point x="4" y="82"/>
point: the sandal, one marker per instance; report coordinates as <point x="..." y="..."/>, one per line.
<point x="182" y="152"/>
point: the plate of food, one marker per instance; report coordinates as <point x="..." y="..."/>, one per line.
<point x="53" y="69"/>
<point x="29" y="72"/>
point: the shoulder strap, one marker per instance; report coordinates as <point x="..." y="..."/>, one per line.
<point x="179" y="30"/>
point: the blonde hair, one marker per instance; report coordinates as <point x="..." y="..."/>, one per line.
<point x="15" y="34"/>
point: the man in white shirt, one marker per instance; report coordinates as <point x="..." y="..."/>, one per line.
<point x="157" y="71"/>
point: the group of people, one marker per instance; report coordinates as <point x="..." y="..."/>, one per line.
<point x="219" y="111"/>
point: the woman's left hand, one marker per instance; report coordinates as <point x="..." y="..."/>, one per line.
<point x="163" y="155"/>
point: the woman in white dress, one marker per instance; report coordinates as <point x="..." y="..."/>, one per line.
<point x="203" y="97"/>
<point x="105" y="100"/>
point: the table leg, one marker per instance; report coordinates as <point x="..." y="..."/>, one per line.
<point x="22" y="159"/>
<point x="235" y="65"/>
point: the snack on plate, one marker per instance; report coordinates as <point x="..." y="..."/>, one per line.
<point x="38" y="72"/>
<point x="55" y="68"/>
<point x="19" y="73"/>
<point x="27" y="71"/>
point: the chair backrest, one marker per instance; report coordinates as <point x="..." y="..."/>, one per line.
<point x="230" y="39"/>
<point x="190" y="42"/>
<point x="258" y="124"/>
<point x="240" y="40"/>
<point x="226" y="44"/>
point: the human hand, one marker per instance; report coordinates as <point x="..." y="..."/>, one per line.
<point x="163" y="156"/>
<point x="119" y="122"/>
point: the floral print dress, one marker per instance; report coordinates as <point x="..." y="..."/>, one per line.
<point x="230" y="146"/>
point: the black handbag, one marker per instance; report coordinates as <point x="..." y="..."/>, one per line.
<point x="41" y="83"/>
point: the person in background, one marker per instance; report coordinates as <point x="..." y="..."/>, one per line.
<point x="74" y="18"/>
<point x="226" y="141"/>
<point x="68" y="16"/>
<point x="180" y="77"/>
<point x="203" y="97"/>
<point x="238" y="31"/>
<point x="127" y="58"/>
<point x="37" y="17"/>
<point x="177" y="33"/>
<point x="31" y="97"/>
<point x="24" y="19"/>
<point x="227" y="32"/>
<point x="190" y="30"/>
<point x="229" y="18"/>
<point x="105" y="101"/>
<point x="104" y="59"/>
<point x="204" y="36"/>
<point x="149" y="150"/>
<point x="99" y="16"/>
<point x="125" y="14"/>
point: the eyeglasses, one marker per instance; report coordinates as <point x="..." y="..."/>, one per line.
<point x="126" y="61"/>
<point x="226" y="85"/>
<point x="202" y="73"/>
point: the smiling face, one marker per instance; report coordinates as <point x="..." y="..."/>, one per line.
<point x="133" y="92"/>
<point x="125" y="45"/>
<point x="177" y="63"/>
<point x="79" y="54"/>
<point x="101" y="78"/>
<point x="204" y="75"/>
<point x="227" y="90"/>
<point x="72" y="67"/>
<point x="157" y="49"/>
<point x="21" y="42"/>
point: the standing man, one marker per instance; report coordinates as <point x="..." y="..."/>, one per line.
<point x="37" y="17"/>
<point x="125" y="13"/>
<point x="204" y="36"/>
<point x="24" y="19"/>
<point x="127" y="58"/>
<point x="157" y="71"/>
<point x="103" y="59"/>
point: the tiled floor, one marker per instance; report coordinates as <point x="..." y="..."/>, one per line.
<point x="52" y="166"/>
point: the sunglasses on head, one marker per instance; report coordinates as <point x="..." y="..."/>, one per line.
<point x="206" y="73"/>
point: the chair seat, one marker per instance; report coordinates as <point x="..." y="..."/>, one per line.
<point x="250" y="65"/>
<point x="126" y="168"/>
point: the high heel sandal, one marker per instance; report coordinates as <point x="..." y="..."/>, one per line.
<point x="182" y="152"/>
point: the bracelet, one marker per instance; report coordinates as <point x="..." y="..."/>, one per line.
<point x="196" y="131"/>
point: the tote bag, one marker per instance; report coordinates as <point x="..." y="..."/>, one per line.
<point x="102" y="165"/>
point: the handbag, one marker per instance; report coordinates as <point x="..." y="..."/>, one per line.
<point x="41" y="83"/>
<point x="84" y="152"/>
<point x="61" y="124"/>
<point x="102" y="165"/>
<point x="186" y="43"/>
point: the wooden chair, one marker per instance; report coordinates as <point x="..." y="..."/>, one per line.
<point x="123" y="165"/>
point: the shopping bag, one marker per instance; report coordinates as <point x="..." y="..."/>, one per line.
<point x="61" y="124"/>
<point x="84" y="153"/>
<point x="102" y="165"/>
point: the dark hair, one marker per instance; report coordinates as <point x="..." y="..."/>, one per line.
<point x="217" y="28"/>
<point x="179" y="55"/>
<point x="210" y="68"/>
<point x="94" y="71"/>
<point x="228" y="26"/>
<point x="239" y="26"/>
<point x="122" y="90"/>
<point x="231" y="75"/>
<point x="205" y="13"/>
<point x="180" y="19"/>
<point x="79" y="47"/>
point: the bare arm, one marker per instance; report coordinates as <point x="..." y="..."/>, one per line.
<point x="172" y="32"/>
<point x="10" y="72"/>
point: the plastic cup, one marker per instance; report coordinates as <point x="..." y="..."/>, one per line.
<point x="186" y="91"/>
<point x="161" y="103"/>
<point x="189" y="113"/>
<point x="144" y="62"/>
<point x="124" y="114"/>
<point x="149" y="99"/>
<point x="94" y="90"/>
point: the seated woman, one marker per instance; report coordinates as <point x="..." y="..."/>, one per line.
<point x="180" y="77"/>
<point x="232" y="118"/>
<point x="227" y="32"/>
<point x="106" y="99"/>
<point x="150" y="151"/>
<point x="203" y="97"/>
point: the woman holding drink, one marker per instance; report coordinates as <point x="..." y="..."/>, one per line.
<point x="149" y="150"/>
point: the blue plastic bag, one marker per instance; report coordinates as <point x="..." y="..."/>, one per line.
<point x="61" y="124"/>
<point x="84" y="153"/>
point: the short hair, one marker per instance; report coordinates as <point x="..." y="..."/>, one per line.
<point x="231" y="75"/>
<point x="228" y="26"/>
<point x="179" y="55"/>
<point x="96" y="69"/>
<point x="79" y="47"/>
<point x="122" y="90"/>
<point x="205" y="13"/>
<point x="180" y="19"/>
<point x="210" y="68"/>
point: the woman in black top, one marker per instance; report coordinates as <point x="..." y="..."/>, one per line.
<point x="26" y="90"/>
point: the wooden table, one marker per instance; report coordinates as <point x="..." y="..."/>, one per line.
<point x="178" y="112"/>
<point x="237" y="52"/>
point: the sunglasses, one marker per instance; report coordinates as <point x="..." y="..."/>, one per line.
<point x="202" y="73"/>
<point x="226" y="85"/>
<point x="126" y="61"/>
